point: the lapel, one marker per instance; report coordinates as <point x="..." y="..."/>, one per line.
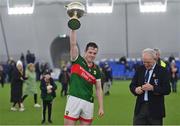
<point x="143" y="74"/>
<point x="154" y="75"/>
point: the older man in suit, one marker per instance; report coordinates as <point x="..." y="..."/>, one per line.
<point x="150" y="83"/>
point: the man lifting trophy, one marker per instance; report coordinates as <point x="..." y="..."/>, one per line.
<point x="75" y="10"/>
<point x="84" y="74"/>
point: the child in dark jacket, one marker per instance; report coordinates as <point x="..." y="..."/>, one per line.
<point x="48" y="88"/>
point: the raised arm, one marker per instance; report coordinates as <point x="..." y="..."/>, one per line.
<point x="74" y="52"/>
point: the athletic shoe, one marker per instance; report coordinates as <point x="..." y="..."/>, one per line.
<point x="50" y="121"/>
<point x="43" y="121"/>
<point x="37" y="105"/>
<point x="21" y="109"/>
<point x="13" y="109"/>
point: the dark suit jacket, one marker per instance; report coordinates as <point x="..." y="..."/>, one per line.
<point x="160" y="81"/>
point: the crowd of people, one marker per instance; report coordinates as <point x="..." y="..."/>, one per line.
<point x="7" y="68"/>
<point x="23" y="76"/>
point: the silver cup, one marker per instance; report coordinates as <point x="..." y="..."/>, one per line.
<point x="75" y="10"/>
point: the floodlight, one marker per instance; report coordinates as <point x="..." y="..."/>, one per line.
<point x="20" y="6"/>
<point x="152" y="6"/>
<point x="104" y="6"/>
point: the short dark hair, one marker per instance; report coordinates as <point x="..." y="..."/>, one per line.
<point x="91" y="44"/>
<point x="47" y="71"/>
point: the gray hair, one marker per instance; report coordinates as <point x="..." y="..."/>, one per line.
<point x="157" y="50"/>
<point x="150" y="51"/>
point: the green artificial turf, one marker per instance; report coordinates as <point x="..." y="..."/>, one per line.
<point x="118" y="106"/>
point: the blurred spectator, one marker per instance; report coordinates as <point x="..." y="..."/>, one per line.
<point x="33" y="58"/>
<point x="108" y="78"/>
<point x="174" y="75"/>
<point x="30" y="85"/>
<point x="103" y="77"/>
<point x="44" y="67"/>
<point x="17" y="85"/>
<point x="171" y="58"/>
<point x="123" y="60"/>
<point x="2" y="75"/>
<point x="30" y="57"/>
<point x="68" y="64"/>
<point x="11" y="64"/>
<point x="158" y="58"/>
<point x="22" y="58"/>
<point x="64" y="79"/>
<point x="38" y="71"/>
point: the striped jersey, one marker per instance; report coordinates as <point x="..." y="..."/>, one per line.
<point x="82" y="79"/>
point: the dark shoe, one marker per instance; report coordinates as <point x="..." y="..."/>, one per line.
<point x="107" y="93"/>
<point x="43" y="121"/>
<point x="50" y="121"/>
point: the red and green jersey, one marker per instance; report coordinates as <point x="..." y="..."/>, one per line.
<point x="82" y="79"/>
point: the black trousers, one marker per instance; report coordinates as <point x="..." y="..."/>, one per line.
<point x="47" y="104"/>
<point x="64" y="88"/>
<point x="35" y="98"/>
<point x="143" y="117"/>
<point x="18" y="102"/>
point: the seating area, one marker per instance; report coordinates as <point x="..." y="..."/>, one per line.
<point x="122" y="71"/>
<point x="119" y="70"/>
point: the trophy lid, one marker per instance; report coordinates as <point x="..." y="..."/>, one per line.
<point x="77" y="7"/>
